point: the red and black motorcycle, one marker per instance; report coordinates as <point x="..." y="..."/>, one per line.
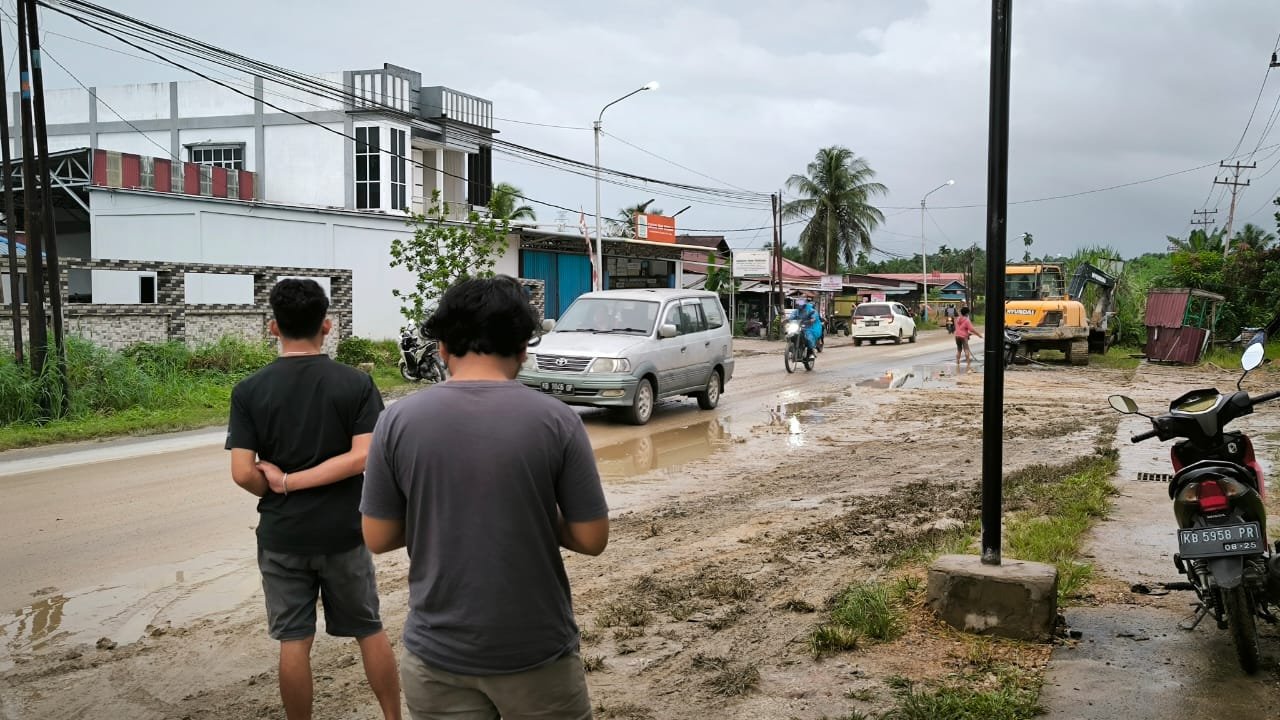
<point x="1217" y="490"/>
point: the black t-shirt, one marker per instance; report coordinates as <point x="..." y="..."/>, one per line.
<point x="298" y="412"/>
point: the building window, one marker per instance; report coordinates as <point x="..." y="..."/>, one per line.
<point x="206" y="180"/>
<point x="233" y="184"/>
<point x="398" y="184"/>
<point x="229" y="156"/>
<point x="148" y="170"/>
<point x="175" y="179"/>
<point x="147" y="289"/>
<point x="368" y="177"/>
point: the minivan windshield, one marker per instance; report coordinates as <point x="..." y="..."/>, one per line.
<point x="608" y="315"/>
<point x="871" y="309"/>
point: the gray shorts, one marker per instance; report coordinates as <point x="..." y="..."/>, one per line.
<point x="555" y="691"/>
<point x="344" y="581"/>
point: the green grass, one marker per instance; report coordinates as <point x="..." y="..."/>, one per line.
<point x="1228" y="357"/>
<point x="1013" y="699"/>
<point x="1057" y="506"/>
<point x="144" y="389"/>
<point x="1118" y="357"/>
<point x="873" y="611"/>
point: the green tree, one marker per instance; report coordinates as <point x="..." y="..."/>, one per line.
<point x="625" y="223"/>
<point x="1197" y="242"/>
<point x="719" y="277"/>
<point x="1254" y="237"/>
<point x="443" y="252"/>
<point x="504" y="203"/>
<point x="1027" y="240"/>
<point x="835" y="197"/>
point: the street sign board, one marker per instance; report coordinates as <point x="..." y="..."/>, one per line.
<point x="751" y="263"/>
<point x="831" y="283"/>
<point x="877" y="297"/>
<point x="655" y="228"/>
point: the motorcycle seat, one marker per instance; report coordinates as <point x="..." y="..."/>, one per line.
<point x="1206" y="469"/>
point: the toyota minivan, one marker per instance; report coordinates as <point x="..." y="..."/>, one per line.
<point x="627" y="349"/>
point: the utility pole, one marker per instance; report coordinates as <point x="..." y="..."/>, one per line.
<point x="1204" y="220"/>
<point x="37" y="331"/>
<point x="1235" y="185"/>
<point x="10" y="217"/>
<point x="775" y="270"/>
<point x="49" y="220"/>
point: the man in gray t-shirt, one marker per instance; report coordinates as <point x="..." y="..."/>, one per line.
<point x="484" y="480"/>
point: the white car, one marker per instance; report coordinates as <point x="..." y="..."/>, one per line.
<point x="874" y="321"/>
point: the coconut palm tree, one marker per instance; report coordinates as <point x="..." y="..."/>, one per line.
<point x="625" y="224"/>
<point x="835" y="195"/>
<point x="1197" y="242"/>
<point x="1253" y="236"/>
<point x="504" y="203"/>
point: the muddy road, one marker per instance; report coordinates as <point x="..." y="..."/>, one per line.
<point x="732" y="530"/>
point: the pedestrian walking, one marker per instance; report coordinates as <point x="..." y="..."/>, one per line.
<point x="484" y="480"/>
<point x="299" y="433"/>
<point x="964" y="328"/>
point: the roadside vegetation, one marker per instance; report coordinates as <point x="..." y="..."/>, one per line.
<point x="148" y="388"/>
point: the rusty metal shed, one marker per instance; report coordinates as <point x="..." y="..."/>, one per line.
<point x="1180" y="323"/>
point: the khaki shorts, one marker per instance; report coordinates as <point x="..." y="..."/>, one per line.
<point x="555" y="691"/>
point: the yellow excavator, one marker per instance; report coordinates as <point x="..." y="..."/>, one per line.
<point x="1050" y="314"/>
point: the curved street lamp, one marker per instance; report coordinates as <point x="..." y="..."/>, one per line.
<point x="924" y="253"/>
<point x="598" y="280"/>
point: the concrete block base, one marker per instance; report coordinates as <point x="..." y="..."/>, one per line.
<point x="1015" y="599"/>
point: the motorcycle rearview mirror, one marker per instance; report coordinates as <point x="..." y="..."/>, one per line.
<point x="1124" y="405"/>
<point x="1251" y="358"/>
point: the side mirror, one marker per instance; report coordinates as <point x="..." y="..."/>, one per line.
<point x="1123" y="405"/>
<point x="1252" y="356"/>
<point x="548" y="325"/>
<point x="667" y="330"/>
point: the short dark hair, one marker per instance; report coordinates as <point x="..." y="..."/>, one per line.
<point x="489" y="316"/>
<point x="299" y="307"/>
<point x="964" y="311"/>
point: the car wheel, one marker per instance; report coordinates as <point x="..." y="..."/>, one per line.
<point x="642" y="404"/>
<point x="857" y="342"/>
<point x="709" y="398"/>
<point x="898" y="340"/>
<point x="913" y="335"/>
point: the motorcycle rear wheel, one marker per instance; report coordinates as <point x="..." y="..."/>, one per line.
<point x="1244" y="628"/>
<point x="789" y="357"/>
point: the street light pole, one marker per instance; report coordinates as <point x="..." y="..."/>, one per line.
<point x="924" y="253"/>
<point x="598" y="280"/>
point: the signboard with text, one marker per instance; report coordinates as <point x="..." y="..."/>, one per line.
<point x="752" y="263"/>
<point x="877" y="297"/>
<point x="655" y="228"/>
<point x="831" y="283"/>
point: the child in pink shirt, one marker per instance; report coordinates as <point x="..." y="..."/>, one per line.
<point x="964" y="328"/>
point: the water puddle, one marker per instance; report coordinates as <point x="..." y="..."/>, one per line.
<point x="132" y="606"/>
<point x="793" y="416"/>
<point x="939" y="375"/>
<point x="665" y="450"/>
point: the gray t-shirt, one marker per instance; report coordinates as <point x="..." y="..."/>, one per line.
<point x="477" y="471"/>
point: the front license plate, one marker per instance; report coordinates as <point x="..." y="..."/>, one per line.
<point x="1220" y="540"/>
<point x="558" y="388"/>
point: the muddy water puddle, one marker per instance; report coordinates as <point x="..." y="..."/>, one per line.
<point x="938" y="375"/>
<point x="134" y="605"/>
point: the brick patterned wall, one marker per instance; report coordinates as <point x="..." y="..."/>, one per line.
<point x="537" y="295"/>
<point x="171" y="318"/>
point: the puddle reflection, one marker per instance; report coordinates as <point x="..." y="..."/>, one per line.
<point x="794" y="415"/>
<point x="915" y="377"/>
<point x="668" y="449"/>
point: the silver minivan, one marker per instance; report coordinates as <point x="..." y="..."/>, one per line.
<point x="627" y="349"/>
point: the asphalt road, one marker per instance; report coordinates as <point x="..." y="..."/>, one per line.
<point x="81" y="516"/>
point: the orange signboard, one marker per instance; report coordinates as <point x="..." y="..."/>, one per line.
<point x="656" y="228"/>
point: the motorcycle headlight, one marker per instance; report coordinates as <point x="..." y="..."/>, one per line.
<point x="530" y="362"/>
<point x="610" y="365"/>
<point x="793" y="327"/>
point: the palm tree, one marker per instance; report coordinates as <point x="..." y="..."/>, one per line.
<point x="1253" y="236"/>
<point x="625" y="224"/>
<point x="503" y="203"/>
<point x="1197" y="242"/>
<point x="834" y="197"/>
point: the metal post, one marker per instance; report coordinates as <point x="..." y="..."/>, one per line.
<point x="924" y="266"/>
<point x="597" y="281"/>
<point x="997" y="217"/>
<point x="10" y="215"/>
<point x="37" y="332"/>
<point x="49" y="224"/>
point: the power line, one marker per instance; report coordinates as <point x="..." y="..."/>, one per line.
<point x="672" y="162"/>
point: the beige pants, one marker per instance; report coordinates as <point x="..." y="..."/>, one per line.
<point x="555" y="691"/>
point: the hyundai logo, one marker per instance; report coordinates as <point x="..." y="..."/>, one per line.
<point x="561" y="362"/>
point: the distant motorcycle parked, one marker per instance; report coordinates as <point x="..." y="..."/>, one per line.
<point x="420" y="357"/>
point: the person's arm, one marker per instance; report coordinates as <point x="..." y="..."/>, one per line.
<point x="382" y="535"/>
<point x="245" y="472"/>
<point x="582" y="524"/>
<point x="335" y="469"/>
<point x="588" y="538"/>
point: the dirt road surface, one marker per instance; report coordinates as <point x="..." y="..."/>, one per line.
<point x="133" y="592"/>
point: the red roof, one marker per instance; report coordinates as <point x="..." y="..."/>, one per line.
<point x="934" y="277"/>
<point x="792" y="269"/>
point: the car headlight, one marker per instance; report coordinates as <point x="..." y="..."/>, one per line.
<point x="610" y="365"/>
<point x="530" y="362"/>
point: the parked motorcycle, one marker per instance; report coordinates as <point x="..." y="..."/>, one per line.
<point x="1217" y="490"/>
<point x="1012" y="343"/>
<point x="797" y="352"/>
<point x="420" y="357"/>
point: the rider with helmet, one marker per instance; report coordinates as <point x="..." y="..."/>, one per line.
<point x="809" y="320"/>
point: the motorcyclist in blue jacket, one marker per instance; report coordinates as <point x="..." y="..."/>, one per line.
<point x="809" y="322"/>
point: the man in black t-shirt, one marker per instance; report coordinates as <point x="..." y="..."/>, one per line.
<point x="299" y="433"/>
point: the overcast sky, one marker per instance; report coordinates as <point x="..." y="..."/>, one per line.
<point x="1105" y="92"/>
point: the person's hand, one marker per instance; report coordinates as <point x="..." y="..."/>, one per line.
<point x="275" y="476"/>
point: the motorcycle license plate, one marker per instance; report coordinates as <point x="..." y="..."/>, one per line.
<point x="557" y="388"/>
<point x="1221" y="540"/>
